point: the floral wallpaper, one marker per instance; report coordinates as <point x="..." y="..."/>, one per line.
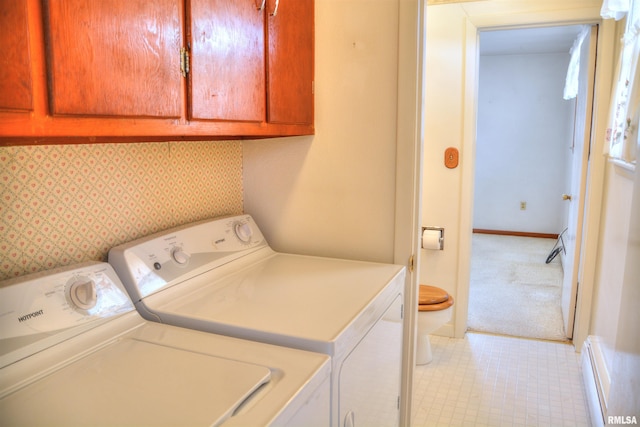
<point x="63" y="204"/>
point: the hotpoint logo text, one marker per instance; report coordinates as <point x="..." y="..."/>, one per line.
<point x="30" y="315"/>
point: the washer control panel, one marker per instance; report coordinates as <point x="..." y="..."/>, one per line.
<point x="150" y="264"/>
<point x="59" y="299"/>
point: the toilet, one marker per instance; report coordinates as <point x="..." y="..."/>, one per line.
<point x="435" y="307"/>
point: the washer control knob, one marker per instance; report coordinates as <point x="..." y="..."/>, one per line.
<point x="180" y="256"/>
<point x="82" y="294"/>
<point x="243" y="231"/>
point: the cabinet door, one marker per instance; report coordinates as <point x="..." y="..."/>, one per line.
<point x="227" y="60"/>
<point x="290" y="61"/>
<point x="114" y="57"/>
<point x="15" y="71"/>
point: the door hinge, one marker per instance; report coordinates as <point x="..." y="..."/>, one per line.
<point x="411" y="261"/>
<point x="184" y="62"/>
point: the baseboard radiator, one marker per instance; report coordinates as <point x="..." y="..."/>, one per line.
<point x="596" y="380"/>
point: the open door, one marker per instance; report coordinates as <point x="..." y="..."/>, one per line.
<point x="575" y="195"/>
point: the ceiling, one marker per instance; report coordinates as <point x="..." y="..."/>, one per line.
<point x="528" y="40"/>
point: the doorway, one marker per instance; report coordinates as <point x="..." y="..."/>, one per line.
<point x="528" y="180"/>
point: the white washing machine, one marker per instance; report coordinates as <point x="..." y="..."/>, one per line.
<point x="74" y="352"/>
<point x="221" y="276"/>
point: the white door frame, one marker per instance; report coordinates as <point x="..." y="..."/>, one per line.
<point x="595" y="174"/>
<point x="410" y="117"/>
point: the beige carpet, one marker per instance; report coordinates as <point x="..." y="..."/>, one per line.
<point x="512" y="290"/>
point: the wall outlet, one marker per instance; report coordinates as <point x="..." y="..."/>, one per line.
<point x="523" y="206"/>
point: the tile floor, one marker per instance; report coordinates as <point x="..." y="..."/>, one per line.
<point x="492" y="380"/>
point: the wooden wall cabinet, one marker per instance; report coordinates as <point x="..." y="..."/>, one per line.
<point x="154" y="70"/>
<point x="16" y="89"/>
<point x="290" y="61"/>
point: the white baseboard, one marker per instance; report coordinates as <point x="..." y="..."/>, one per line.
<point x="596" y="380"/>
<point x="446" y="330"/>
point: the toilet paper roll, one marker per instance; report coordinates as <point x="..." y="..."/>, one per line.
<point x="431" y="239"/>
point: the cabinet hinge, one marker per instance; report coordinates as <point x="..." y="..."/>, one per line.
<point x="184" y="62"/>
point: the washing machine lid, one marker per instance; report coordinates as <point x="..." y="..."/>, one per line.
<point x="298" y="301"/>
<point x="112" y="382"/>
<point x="132" y="382"/>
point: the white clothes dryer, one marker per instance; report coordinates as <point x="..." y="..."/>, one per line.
<point x="221" y="276"/>
<point x="74" y="352"/>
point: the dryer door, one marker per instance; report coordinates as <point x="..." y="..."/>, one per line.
<point x="370" y="376"/>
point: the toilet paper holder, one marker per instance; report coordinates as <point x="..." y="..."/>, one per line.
<point x="440" y="239"/>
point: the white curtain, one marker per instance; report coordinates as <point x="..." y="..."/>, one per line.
<point x="573" y="73"/>
<point x="622" y="133"/>
<point x="614" y="9"/>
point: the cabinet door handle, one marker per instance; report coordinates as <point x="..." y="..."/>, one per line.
<point x="184" y="62"/>
<point x="261" y="7"/>
<point x="275" y="9"/>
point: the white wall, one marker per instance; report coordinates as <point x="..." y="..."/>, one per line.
<point x="615" y="323"/>
<point x="441" y="196"/>
<point x="624" y="398"/>
<point x="612" y="251"/>
<point x="523" y="138"/>
<point x="334" y="194"/>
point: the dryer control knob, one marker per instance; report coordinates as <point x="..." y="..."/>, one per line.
<point x="243" y="231"/>
<point x="82" y="294"/>
<point x="180" y="256"/>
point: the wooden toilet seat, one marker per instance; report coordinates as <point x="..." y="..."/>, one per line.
<point x="431" y="298"/>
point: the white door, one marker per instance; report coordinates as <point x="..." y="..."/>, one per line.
<point x="575" y="194"/>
